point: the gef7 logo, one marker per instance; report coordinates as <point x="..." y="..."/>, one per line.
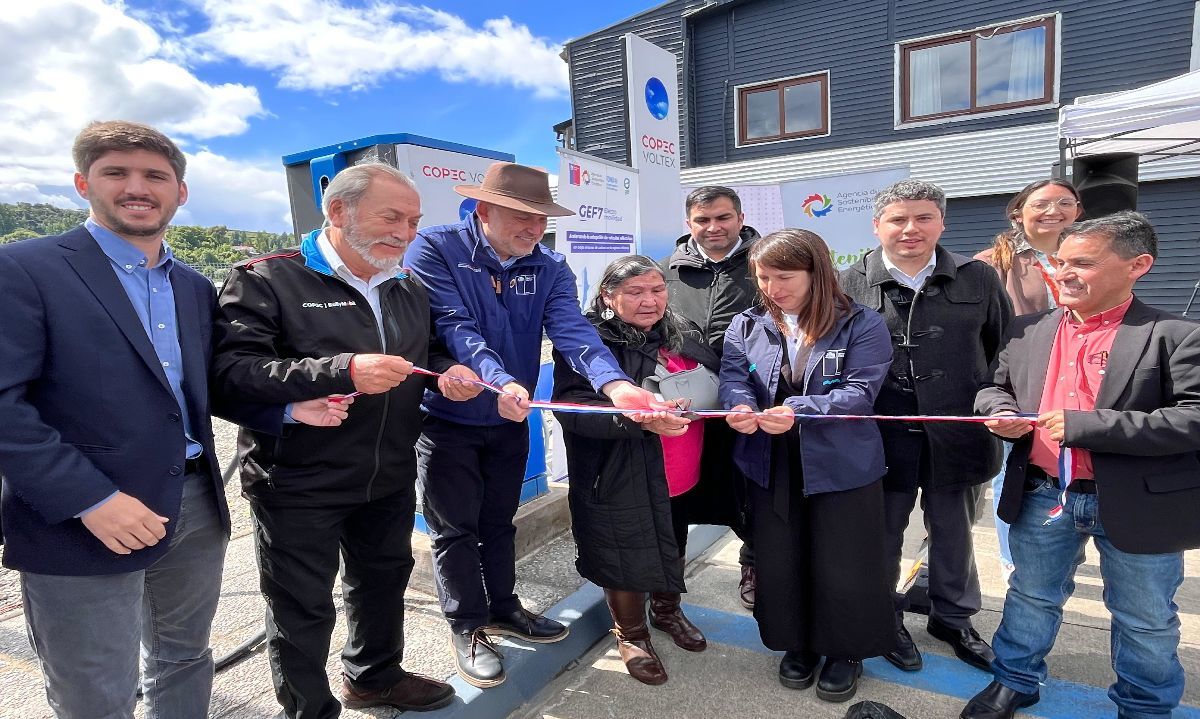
<point x="590" y="212"/>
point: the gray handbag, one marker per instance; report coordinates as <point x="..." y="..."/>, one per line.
<point x="698" y="386"/>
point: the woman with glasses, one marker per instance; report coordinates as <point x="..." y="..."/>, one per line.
<point x="626" y="477"/>
<point x="815" y="495"/>
<point x="1022" y="256"/>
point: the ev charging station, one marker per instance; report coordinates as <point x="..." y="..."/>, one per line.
<point x="435" y="165"/>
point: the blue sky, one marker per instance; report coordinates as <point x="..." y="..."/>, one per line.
<point x="240" y="83"/>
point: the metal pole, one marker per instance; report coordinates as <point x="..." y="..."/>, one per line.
<point x="1192" y="298"/>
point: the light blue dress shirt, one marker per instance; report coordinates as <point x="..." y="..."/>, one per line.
<point x="149" y="291"/>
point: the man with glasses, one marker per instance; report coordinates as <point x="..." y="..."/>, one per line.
<point x="947" y="315"/>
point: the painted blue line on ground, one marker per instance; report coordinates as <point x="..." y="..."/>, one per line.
<point x="942" y="675"/>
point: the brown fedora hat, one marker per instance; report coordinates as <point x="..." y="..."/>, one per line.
<point x="516" y="187"/>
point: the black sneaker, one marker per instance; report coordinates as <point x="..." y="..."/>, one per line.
<point x="526" y="625"/>
<point x="477" y="659"/>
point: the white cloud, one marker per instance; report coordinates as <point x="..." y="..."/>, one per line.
<point x="324" y="44"/>
<point x="243" y="195"/>
<point x="13" y="192"/>
<point x="68" y="62"/>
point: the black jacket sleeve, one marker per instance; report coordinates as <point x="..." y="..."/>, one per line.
<point x="247" y="360"/>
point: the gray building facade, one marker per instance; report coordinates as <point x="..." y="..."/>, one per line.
<point x="858" y="58"/>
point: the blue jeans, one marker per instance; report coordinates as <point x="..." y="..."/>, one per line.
<point x="1001" y="525"/>
<point x="1139" y="591"/>
<point x="86" y="630"/>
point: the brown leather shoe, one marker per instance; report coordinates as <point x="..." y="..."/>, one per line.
<point x="633" y="636"/>
<point x="666" y="615"/>
<point x="413" y="692"/>
<point x="747" y="586"/>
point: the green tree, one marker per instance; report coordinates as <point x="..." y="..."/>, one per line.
<point x="18" y="234"/>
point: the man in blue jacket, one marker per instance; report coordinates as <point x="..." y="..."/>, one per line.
<point x="114" y="512"/>
<point x="493" y="290"/>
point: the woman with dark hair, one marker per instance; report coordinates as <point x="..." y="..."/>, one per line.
<point x="629" y="531"/>
<point x="815" y="495"/>
<point x="1037" y="216"/>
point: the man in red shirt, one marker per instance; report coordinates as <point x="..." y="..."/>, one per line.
<point x="1115" y="386"/>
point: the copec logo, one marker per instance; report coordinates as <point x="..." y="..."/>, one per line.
<point x="658" y="144"/>
<point x="817" y="205"/>
<point x="657" y="100"/>
<point x="451" y="173"/>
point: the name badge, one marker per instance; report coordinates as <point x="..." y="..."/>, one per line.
<point x="831" y="363"/>
<point x="525" y="284"/>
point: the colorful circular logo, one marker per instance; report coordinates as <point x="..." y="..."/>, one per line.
<point x="466" y="207"/>
<point x="817" y="205"/>
<point x="657" y="100"/>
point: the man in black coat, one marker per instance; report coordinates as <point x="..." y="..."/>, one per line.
<point x="709" y="280"/>
<point x="947" y="315"/>
<point x="1123" y="418"/>
<point x="338" y="315"/>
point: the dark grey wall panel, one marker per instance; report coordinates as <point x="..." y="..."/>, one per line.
<point x="597" y="65"/>
<point x="972" y="222"/>
<point x="1107" y="46"/>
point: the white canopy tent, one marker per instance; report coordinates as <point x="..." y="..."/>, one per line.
<point x="1155" y="121"/>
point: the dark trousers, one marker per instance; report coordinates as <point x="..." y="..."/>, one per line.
<point x="298" y="549"/>
<point x="954" y="593"/>
<point x="470" y="480"/>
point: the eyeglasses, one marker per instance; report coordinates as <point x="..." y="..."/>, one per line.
<point x="1065" y="203"/>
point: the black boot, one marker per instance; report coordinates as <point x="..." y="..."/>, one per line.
<point x="798" y="668"/>
<point x="839" y="679"/>
<point x="477" y="659"/>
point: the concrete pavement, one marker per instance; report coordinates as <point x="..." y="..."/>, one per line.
<point x="737" y="677"/>
<point x="583" y="678"/>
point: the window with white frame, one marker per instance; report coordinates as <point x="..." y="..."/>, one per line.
<point x="783" y="109"/>
<point x="996" y="68"/>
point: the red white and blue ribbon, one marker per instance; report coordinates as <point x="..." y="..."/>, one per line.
<point x="708" y="413"/>
<point x="1066" y="473"/>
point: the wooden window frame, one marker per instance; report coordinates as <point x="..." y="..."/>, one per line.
<point x="1048" y="79"/>
<point x="821" y="79"/>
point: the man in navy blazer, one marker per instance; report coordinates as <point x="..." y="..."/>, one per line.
<point x="112" y="504"/>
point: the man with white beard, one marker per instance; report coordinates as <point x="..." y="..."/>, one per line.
<point x="338" y="315"/>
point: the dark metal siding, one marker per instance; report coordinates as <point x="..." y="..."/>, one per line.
<point x="597" y="65"/>
<point x="972" y="222"/>
<point x="1108" y="45"/>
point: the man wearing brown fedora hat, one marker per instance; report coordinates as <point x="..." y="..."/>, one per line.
<point x="493" y="291"/>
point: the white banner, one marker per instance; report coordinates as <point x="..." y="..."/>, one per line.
<point x="839" y="208"/>
<point x="436" y="172"/>
<point x="604" y="196"/>
<point x="652" y="94"/>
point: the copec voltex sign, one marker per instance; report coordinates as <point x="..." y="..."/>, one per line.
<point x="452" y="174"/>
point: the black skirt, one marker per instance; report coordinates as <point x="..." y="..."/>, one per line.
<point x="821" y="563"/>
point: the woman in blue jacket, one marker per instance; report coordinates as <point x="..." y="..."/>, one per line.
<point x="814" y="491"/>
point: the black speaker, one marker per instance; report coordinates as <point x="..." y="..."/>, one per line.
<point x="1106" y="183"/>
